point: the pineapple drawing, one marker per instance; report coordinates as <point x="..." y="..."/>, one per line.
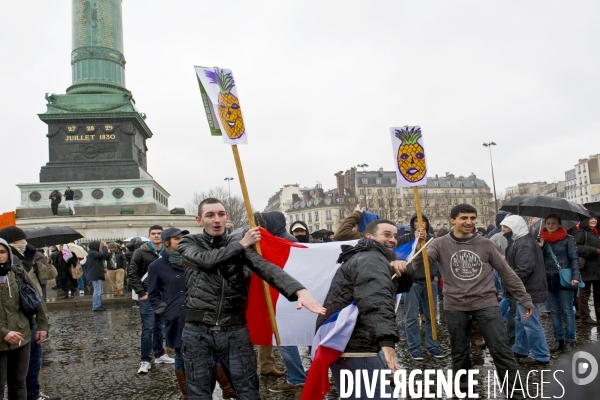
<point x="411" y="156"/>
<point x="230" y="112"/>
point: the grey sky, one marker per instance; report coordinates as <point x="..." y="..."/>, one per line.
<point x="320" y="83"/>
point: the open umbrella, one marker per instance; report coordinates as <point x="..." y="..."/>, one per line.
<point x="593" y="207"/>
<point x="77" y="250"/>
<point x="51" y="236"/>
<point x="320" y="233"/>
<point x="542" y="206"/>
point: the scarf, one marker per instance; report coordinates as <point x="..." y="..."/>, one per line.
<point x="594" y="230"/>
<point x="174" y="256"/>
<point x="553" y="237"/>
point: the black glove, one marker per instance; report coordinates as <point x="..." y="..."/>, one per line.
<point x="30" y="251"/>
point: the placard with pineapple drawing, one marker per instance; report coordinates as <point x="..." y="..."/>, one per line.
<point x="221" y="104"/>
<point x="409" y="156"/>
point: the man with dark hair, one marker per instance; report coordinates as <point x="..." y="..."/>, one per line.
<point x="365" y="277"/>
<point x="217" y="268"/>
<point x="467" y="262"/>
<point x="153" y="325"/>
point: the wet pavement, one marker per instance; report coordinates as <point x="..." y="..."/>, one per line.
<point x="94" y="355"/>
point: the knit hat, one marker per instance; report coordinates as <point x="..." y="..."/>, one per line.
<point x="12" y="234"/>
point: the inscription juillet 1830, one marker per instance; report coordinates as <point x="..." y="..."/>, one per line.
<point x="91" y="136"/>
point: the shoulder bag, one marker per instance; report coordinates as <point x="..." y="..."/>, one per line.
<point x="580" y="259"/>
<point x="76" y="271"/>
<point x="29" y="298"/>
<point x="564" y="273"/>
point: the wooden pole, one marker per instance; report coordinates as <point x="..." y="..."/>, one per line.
<point x="426" y="265"/>
<point x="240" y="171"/>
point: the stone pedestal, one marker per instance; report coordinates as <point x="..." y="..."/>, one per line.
<point x="97" y="198"/>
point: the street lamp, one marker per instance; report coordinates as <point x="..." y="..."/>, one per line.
<point x="229" y="179"/>
<point x="489" y="146"/>
<point x="363" y="167"/>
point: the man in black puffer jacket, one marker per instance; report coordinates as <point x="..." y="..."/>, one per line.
<point x="525" y="257"/>
<point x="216" y="274"/>
<point x="365" y="278"/>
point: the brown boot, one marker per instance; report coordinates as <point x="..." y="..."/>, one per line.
<point x="182" y="383"/>
<point x="228" y="392"/>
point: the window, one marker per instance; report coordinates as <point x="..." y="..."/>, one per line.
<point x="361" y="191"/>
<point x="317" y="227"/>
<point x="380" y="192"/>
<point x="328" y="215"/>
<point x="291" y="219"/>
<point x="381" y="203"/>
<point x="297" y="217"/>
<point x="370" y="203"/>
<point x="309" y="217"/>
<point x="480" y="201"/>
<point x="399" y="202"/>
<point x="342" y="215"/>
<point x="474" y="200"/>
<point x="329" y="227"/>
<point x="352" y="200"/>
<point x="310" y="228"/>
<point x="369" y="191"/>
<point x="393" y="181"/>
<point x="364" y="181"/>
<point x="317" y="217"/>
<point x="390" y="191"/>
<point x="464" y="201"/>
<point x="436" y="183"/>
<point x="391" y="203"/>
<point x="378" y="181"/>
<point x="302" y="217"/>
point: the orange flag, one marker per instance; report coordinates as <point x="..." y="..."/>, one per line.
<point x="7" y="219"/>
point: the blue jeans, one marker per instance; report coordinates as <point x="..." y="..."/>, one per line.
<point x="529" y="335"/>
<point x="293" y="364"/>
<point x="493" y="331"/>
<point x="203" y="349"/>
<point x="153" y="332"/>
<point x="508" y="308"/>
<point x="178" y="360"/>
<point x="356" y="363"/>
<point x="35" y="364"/>
<point x="97" y="297"/>
<point x="417" y="296"/>
<point x="81" y="282"/>
<point x="561" y="309"/>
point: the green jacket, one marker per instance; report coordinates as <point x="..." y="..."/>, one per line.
<point x="11" y="317"/>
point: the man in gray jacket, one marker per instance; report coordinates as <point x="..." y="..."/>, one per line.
<point x="467" y="261"/>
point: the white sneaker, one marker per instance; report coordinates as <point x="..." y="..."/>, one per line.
<point x="164" y="359"/>
<point x="81" y="293"/>
<point x="144" y="367"/>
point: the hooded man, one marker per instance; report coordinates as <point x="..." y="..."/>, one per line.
<point x="95" y="271"/>
<point x="23" y="255"/>
<point x="300" y="231"/>
<point x="55" y="199"/>
<point x="499" y="217"/>
<point x="417" y="297"/>
<point x="526" y="258"/>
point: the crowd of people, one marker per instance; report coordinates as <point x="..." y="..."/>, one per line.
<point x="192" y="292"/>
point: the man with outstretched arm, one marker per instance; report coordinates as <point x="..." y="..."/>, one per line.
<point x="467" y="261"/>
<point x="217" y="269"/>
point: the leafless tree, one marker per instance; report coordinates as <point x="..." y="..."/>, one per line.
<point x="234" y="206"/>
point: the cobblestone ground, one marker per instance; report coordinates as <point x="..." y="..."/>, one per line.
<point x="96" y="355"/>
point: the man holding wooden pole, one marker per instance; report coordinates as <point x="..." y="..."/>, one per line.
<point x="217" y="268"/>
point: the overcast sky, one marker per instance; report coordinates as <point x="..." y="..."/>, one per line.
<point x="320" y="83"/>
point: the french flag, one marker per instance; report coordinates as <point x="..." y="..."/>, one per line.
<point x="406" y="251"/>
<point x="328" y="345"/>
<point x="313" y="265"/>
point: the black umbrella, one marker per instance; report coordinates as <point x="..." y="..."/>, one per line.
<point x="542" y="206"/>
<point x="320" y="233"/>
<point x="593" y="207"/>
<point x="51" y="236"/>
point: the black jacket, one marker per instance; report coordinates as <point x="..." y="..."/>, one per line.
<point x="166" y="292"/>
<point x="55" y="197"/>
<point x="525" y="257"/>
<point x="588" y="244"/>
<point x="69" y="195"/>
<point x="434" y="267"/>
<point x="365" y="277"/>
<point x="499" y="217"/>
<point x="565" y="252"/>
<point x="217" y="270"/>
<point x="94" y="264"/>
<point x="138" y="267"/>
